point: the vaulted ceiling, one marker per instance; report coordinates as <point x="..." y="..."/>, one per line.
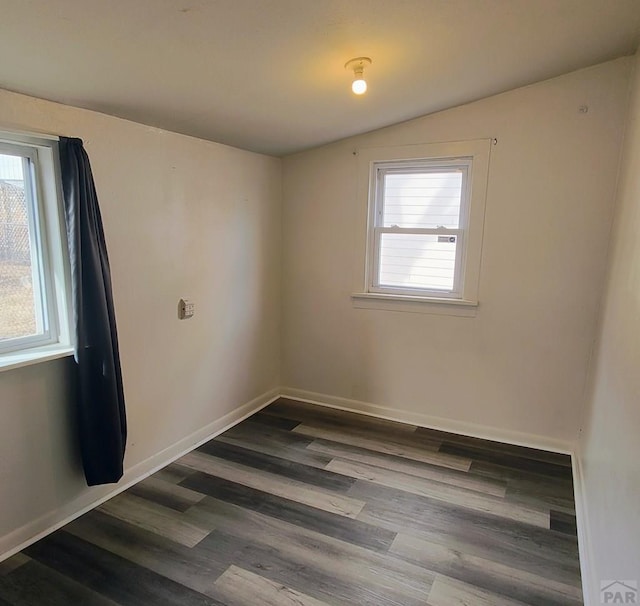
<point x="268" y="75"/>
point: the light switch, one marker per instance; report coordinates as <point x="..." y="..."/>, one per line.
<point x="186" y="309"/>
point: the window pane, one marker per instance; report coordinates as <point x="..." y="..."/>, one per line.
<point x="21" y="311"/>
<point x="424" y="200"/>
<point x="417" y="261"/>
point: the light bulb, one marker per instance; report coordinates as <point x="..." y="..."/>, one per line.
<point x="359" y="86"/>
<point x="357" y="65"/>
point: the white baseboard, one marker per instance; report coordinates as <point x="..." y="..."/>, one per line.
<point x="92" y="497"/>
<point x="584" y="541"/>
<point x="422" y="420"/>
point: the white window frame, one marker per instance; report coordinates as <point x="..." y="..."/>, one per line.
<point x="381" y="169"/>
<point x="373" y="164"/>
<point x="50" y="266"/>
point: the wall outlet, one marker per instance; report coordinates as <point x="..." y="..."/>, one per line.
<point x="186" y="309"/>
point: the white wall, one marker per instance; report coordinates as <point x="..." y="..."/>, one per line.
<point x="517" y="369"/>
<point x="610" y="444"/>
<point x="182" y="218"/>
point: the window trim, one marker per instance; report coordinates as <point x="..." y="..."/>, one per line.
<point x="52" y="252"/>
<point x="370" y="160"/>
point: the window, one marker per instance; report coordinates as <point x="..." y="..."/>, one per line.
<point x="33" y="271"/>
<point x="425" y="221"/>
<point x="420" y="218"/>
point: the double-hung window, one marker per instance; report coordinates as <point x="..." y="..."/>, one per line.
<point x="425" y="222"/>
<point x="420" y="223"/>
<point x="33" y="270"/>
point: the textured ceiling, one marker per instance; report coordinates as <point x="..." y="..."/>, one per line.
<point x="268" y="75"/>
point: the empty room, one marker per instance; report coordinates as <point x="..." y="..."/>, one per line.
<point x="319" y="302"/>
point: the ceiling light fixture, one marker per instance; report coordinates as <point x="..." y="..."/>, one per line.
<point x="359" y="84"/>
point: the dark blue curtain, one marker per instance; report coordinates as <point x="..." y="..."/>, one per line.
<point x="100" y="398"/>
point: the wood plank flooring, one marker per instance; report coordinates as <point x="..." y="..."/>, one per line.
<point x="301" y="505"/>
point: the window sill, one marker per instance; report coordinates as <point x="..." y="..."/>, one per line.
<point x="422" y="305"/>
<point x="26" y="357"/>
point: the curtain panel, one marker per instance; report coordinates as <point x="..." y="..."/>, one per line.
<point x="99" y="393"/>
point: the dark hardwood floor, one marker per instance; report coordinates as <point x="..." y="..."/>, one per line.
<point x="307" y="506"/>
